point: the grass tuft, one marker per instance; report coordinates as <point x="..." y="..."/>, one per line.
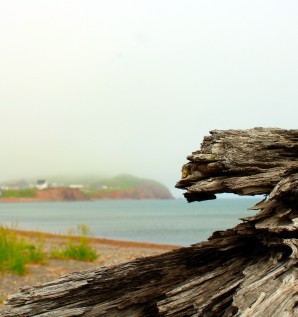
<point x="16" y="252"/>
<point x="77" y="248"/>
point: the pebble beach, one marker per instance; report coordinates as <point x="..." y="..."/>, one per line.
<point x="111" y="252"/>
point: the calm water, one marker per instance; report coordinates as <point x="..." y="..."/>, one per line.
<point x="160" y="221"/>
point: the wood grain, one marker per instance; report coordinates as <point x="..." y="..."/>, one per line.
<point x="248" y="270"/>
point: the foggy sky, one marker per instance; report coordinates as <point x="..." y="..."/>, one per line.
<point x="116" y="86"/>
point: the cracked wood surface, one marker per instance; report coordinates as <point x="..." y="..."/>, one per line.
<point x="244" y="162"/>
<point x="248" y="270"/>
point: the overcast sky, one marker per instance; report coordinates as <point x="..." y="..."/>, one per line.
<point x="108" y="87"/>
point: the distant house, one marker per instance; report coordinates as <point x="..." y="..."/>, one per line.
<point x="78" y="186"/>
<point x="22" y="184"/>
<point x="9" y="186"/>
<point x="42" y="184"/>
<point x="99" y="186"/>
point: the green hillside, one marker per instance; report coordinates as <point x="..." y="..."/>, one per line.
<point x="123" y="186"/>
<point x="126" y="181"/>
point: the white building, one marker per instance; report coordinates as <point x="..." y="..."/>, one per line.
<point x="42" y="184"/>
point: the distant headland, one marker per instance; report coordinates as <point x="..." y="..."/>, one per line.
<point x="123" y="186"/>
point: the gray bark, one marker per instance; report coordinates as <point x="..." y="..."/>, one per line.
<point x="248" y="270"/>
<point x="244" y="162"/>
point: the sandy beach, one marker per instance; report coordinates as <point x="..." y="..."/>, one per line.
<point x="110" y="252"/>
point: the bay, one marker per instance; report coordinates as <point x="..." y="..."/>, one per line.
<point x="156" y="221"/>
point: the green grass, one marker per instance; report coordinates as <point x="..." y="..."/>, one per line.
<point x="122" y="181"/>
<point x="18" y="193"/>
<point x="16" y="252"/>
<point x="76" y="248"/>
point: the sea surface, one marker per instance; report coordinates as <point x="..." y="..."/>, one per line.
<point x="173" y="222"/>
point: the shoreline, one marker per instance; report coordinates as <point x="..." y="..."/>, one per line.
<point x="38" y="200"/>
<point x="20" y="200"/>
<point x="111" y="252"/>
<point x="96" y="240"/>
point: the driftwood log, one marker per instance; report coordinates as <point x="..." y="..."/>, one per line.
<point x="249" y="270"/>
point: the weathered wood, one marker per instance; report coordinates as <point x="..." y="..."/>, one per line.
<point x="244" y="162"/>
<point x="249" y="270"/>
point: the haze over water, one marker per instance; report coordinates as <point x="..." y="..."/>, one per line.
<point x="109" y="87"/>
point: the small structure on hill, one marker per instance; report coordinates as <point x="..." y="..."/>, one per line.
<point x="42" y="184"/>
<point x="248" y="270"/>
<point x="76" y="186"/>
